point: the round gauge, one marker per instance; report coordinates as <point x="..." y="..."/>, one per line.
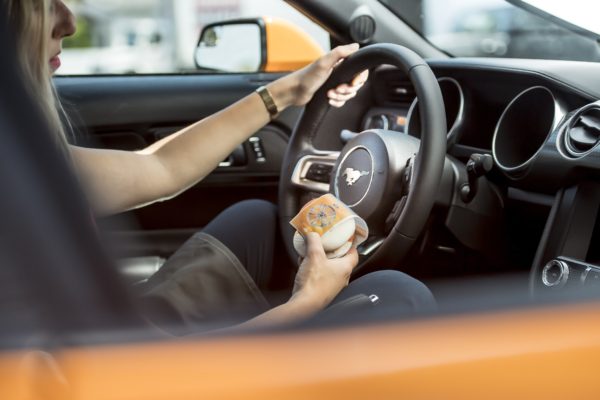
<point x="378" y="121"/>
<point x="454" y="102"/>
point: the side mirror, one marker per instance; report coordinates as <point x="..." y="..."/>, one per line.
<point x="233" y="46"/>
<point x="255" y="45"/>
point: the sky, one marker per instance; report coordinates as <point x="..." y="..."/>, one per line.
<point x="584" y="13"/>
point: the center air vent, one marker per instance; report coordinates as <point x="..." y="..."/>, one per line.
<point x="583" y="133"/>
<point x="395" y="89"/>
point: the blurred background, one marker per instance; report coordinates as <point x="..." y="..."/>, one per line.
<point x="159" y="36"/>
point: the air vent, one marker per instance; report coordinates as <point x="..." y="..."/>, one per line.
<point x="583" y="133"/>
<point x="362" y="25"/>
<point x="396" y="89"/>
<point x="362" y="29"/>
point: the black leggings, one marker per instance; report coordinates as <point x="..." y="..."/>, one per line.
<point x="248" y="229"/>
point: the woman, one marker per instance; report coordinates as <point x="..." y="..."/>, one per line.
<point x="221" y="271"/>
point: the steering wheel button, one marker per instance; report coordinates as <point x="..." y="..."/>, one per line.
<point x="319" y="173"/>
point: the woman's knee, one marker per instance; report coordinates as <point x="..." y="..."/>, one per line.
<point x="245" y="213"/>
<point x="260" y="210"/>
<point x="396" y="288"/>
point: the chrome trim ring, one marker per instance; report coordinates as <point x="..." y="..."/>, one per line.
<point x="460" y="116"/>
<point x="562" y="277"/>
<point x="558" y="116"/>
<point x="563" y="134"/>
<point x="303" y="165"/>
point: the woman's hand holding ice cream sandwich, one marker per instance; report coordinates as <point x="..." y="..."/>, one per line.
<point x="330" y="234"/>
<point x="320" y="279"/>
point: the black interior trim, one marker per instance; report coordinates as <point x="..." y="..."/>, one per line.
<point x="577" y="77"/>
<point x="109" y="101"/>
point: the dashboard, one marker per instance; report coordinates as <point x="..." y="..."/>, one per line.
<point x="540" y="121"/>
<point x="529" y="118"/>
<point x="537" y="122"/>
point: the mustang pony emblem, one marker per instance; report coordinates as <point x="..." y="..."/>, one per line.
<point x="352" y="175"/>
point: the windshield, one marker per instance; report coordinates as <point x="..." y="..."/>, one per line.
<point x="492" y="28"/>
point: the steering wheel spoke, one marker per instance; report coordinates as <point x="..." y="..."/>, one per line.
<point x="313" y="171"/>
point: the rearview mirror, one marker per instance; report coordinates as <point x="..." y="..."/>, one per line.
<point x="255" y="45"/>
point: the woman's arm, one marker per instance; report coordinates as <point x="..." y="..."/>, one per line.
<point x="317" y="282"/>
<point x="120" y="180"/>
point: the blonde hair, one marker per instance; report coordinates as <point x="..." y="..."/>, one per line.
<point x="30" y="20"/>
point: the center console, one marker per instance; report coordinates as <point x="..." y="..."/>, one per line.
<point x="569" y="253"/>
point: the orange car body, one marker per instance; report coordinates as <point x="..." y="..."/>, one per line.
<point x="545" y="353"/>
<point x="288" y="47"/>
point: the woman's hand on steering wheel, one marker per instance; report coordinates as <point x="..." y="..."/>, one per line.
<point x="298" y="88"/>
<point x="320" y="279"/>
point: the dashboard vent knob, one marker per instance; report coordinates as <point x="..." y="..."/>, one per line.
<point x="362" y="25"/>
<point x="583" y="134"/>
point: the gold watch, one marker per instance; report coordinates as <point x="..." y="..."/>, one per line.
<point x="266" y="97"/>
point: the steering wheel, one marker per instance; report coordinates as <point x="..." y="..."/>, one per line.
<point x="388" y="178"/>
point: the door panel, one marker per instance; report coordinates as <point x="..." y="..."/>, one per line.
<point x="132" y="112"/>
<point x="112" y="101"/>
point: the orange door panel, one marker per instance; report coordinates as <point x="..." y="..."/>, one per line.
<point x="536" y="353"/>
